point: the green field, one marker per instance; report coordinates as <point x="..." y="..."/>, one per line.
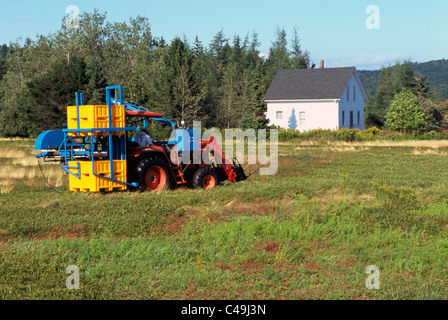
<point x="309" y="232"/>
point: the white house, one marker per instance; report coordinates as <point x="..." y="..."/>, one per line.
<point x="325" y="98"/>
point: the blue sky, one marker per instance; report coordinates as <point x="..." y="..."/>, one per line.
<point x="331" y="30"/>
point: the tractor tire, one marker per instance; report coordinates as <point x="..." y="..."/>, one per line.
<point x="154" y="175"/>
<point x="205" y="178"/>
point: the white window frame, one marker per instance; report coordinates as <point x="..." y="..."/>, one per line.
<point x="302" y="118"/>
<point x="279" y="115"/>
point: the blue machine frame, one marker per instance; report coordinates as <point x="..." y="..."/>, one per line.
<point x="49" y="141"/>
<point x="116" y="145"/>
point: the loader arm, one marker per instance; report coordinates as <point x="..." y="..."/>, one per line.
<point x="212" y="146"/>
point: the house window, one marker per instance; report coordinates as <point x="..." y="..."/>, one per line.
<point x="343" y="118"/>
<point x="358" y="118"/>
<point x="279" y="115"/>
<point x="351" y="120"/>
<point x="348" y="93"/>
<point x="302" y="118"/>
<point x="354" y="93"/>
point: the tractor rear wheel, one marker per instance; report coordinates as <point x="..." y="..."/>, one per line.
<point x="206" y="178"/>
<point x="154" y="175"/>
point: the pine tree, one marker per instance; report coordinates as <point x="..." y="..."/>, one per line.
<point x="421" y="86"/>
<point x="231" y="106"/>
<point x="278" y="56"/>
<point x="392" y="80"/>
<point x="180" y="92"/>
<point x="3" y="63"/>
<point x="256" y="104"/>
<point x="299" y="59"/>
<point x="198" y="48"/>
<point x="54" y="90"/>
<point x="95" y="89"/>
<point x="16" y="115"/>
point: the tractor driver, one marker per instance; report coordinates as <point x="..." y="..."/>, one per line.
<point x="143" y="138"/>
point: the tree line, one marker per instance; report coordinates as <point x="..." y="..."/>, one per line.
<point x="221" y="83"/>
<point x="402" y="101"/>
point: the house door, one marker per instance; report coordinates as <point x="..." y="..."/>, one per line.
<point x="351" y="119"/>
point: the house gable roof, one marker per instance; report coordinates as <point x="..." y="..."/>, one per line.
<point x="311" y="84"/>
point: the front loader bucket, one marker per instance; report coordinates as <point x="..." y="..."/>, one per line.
<point x="239" y="171"/>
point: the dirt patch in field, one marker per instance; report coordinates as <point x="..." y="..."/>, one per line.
<point x="5" y="236"/>
<point x="271" y="246"/>
<point x="317" y="164"/>
<point x="174" y="223"/>
<point x="257" y="207"/>
<point x="3" y="246"/>
<point x="348" y="263"/>
<point x="287" y="160"/>
<point x="174" y="226"/>
<point x="312" y="267"/>
<point x="71" y="233"/>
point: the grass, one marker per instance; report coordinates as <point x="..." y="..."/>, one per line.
<point x="309" y="232"/>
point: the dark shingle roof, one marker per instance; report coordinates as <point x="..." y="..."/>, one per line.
<point x="301" y="84"/>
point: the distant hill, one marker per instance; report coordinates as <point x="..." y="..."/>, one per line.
<point x="436" y="70"/>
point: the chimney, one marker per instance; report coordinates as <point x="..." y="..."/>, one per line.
<point x="321" y="64"/>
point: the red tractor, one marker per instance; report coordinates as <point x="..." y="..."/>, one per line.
<point x="98" y="152"/>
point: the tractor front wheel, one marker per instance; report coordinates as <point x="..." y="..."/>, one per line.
<point x="206" y="178"/>
<point x="154" y="175"/>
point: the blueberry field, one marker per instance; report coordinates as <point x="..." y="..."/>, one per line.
<point x="308" y="232"/>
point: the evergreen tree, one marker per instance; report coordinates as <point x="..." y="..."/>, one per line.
<point x="96" y="86"/>
<point x="198" y="49"/>
<point x="3" y="68"/>
<point x="256" y="105"/>
<point x="219" y="52"/>
<point x="252" y="56"/>
<point x="3" y="63"/>
<point x="278" y="56"/>
<point x="392" y="80"/>
<point x="421" y="86"/>
<point x="299" y="59"/>
<point x="237" y="53"/>
<point x="230" y="108"/>
<point x="16" y="116"/>
<point x="54" y="90"/>
<point x="180" y="91"/>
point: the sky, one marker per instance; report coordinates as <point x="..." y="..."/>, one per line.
<point x="340" y="32"/>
